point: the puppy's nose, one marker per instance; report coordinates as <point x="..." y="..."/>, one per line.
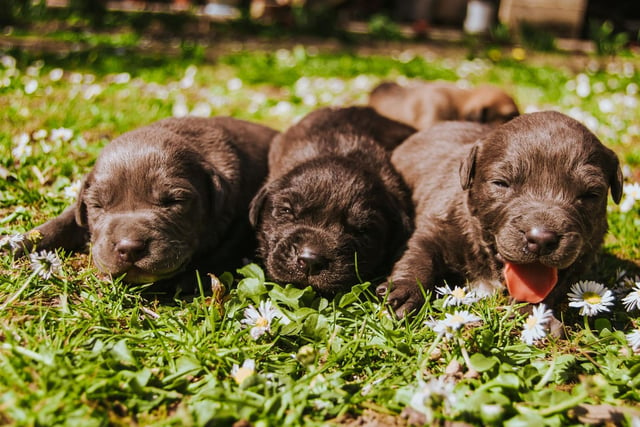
<point x="130" y="250"/>
<point x="541" y="240"/>
<point x="310" y="261"/>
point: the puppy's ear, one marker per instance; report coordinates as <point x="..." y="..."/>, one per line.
<point x="255" y="207"/>
<point x="81" y="205"/>
<point x="616" y="180"/>
<point x="220" y="189"/>
<point x="478" y="115"/>
<point x="468" y="167"/>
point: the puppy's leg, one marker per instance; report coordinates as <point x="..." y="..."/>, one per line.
<point x="60" y="232"/>
<point x="411" y="274"/>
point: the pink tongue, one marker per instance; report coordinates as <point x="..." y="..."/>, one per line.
<point x="529" y="282"/>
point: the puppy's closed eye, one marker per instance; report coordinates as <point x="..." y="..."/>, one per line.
<point x="175" y="198"/>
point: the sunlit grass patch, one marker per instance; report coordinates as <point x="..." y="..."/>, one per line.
<point x="79" y="348"/>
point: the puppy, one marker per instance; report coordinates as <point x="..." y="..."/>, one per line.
<point x="333" y="212"/>
<point x="167" y="198"/>
<point x="422" y="105"/>
<point x="524" y="205"/>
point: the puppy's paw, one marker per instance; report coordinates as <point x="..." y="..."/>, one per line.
<point x="403" y="295"/>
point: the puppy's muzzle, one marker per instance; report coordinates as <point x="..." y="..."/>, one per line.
<point x="130" y="250"/>
<point x="541" y="241"/>
<point x="309" y="260"/>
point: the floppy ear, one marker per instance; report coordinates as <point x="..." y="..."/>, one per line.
<point x="479" y="115"/>
<point x="220" y="190"/>
<point x="616" y="181"/>
<point x="81" y="206"/>
<point x="255" y="207"/>
<point x="468" y="167"/>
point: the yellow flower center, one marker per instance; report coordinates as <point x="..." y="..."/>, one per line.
<point x="242" y="374"/>
<point x="531" y="322"/>
<point x="592" y="298"/>
<point x="458" y="293"/>
<point x="458" y="319"/>
<point x="262" y="322"/>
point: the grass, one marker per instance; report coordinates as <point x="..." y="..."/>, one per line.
<point x="83" y="349"/>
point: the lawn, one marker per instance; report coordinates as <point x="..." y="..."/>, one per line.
<point x="79" y="348"/>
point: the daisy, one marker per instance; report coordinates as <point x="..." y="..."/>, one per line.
<point x="14" y="242"/>
<point x="241" y="373"/>
<point x="534" y="325"/>
<point x="457" y="295"/>
<point x="633" y="338"/>
<point x="261" y="319"/>
<point x="72" y="190"/>
<point x="434" y="394"/>
<point x="45" y="264"/>
<point x="61" y="135"/>
<point x="632" y="300"/>
<point x="22" y="151"/>
<point x="590" y="297"/>
<point x="40" y="134"/>
<point x="452" y="322"/>
<point x="631" y="194"/>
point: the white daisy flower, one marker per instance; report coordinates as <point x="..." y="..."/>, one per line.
<point x="452" y="322"/>
<point x="22" y="139"/>
<point x="590" y="297"/>
<point x="457" y="295"/>
<point x="234" y="84"/>
<point x="122" y="78"/>
<point x="534" y="326"/>
<point x="71" y="191"/>
<point x="61" y="135"/>
<point x="261" y="319"/>
<point x="45" y="264"/>
<point x="13" y="242"/>
<point x="241" y="373"/>
<point x="30" y="87"/>
<point x="631" y="195"/>
<point x="21" y="149"/>
<point x="40" y="134"/>
<point x="56" y="74"/>
<point x="633" y="338"/>
<point x="435" y="394"/>
<point x="632" y="300"/>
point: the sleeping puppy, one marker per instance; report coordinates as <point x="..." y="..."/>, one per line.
<point x="333" y="212"/>
<point x="424" y="104"/>
<point x="523" y="205"/>
<point x="167" y="198"/>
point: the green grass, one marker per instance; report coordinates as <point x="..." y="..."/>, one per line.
<point x="82" y="349"/>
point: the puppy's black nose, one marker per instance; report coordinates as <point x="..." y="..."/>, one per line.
<point x="540" y="240"/>
<point x="310" y="261"/>
<point x="130" y="250"/>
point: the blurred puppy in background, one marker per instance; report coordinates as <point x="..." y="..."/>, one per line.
<point x="423" y="104"/>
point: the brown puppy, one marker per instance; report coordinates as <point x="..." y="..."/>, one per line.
<point x="332" y="196"/>
<point x="166" y="198"/>
<point x="524" y="205"/>
<point x="422" y="105"/>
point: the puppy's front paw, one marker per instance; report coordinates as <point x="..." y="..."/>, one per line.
<point x="403" y="295"/>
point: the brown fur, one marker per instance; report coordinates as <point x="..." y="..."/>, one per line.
<point x="167" y="198"/>
<point x="332" y="195"/>
<point x="424" y="104"/>
<point x="477" y="192"/>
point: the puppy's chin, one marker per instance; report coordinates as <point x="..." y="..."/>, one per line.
<point x="327" y="282"/>
<point x="141" y="271"/>
<point x="137" y="276"/>
<point x="334" y="269"/>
